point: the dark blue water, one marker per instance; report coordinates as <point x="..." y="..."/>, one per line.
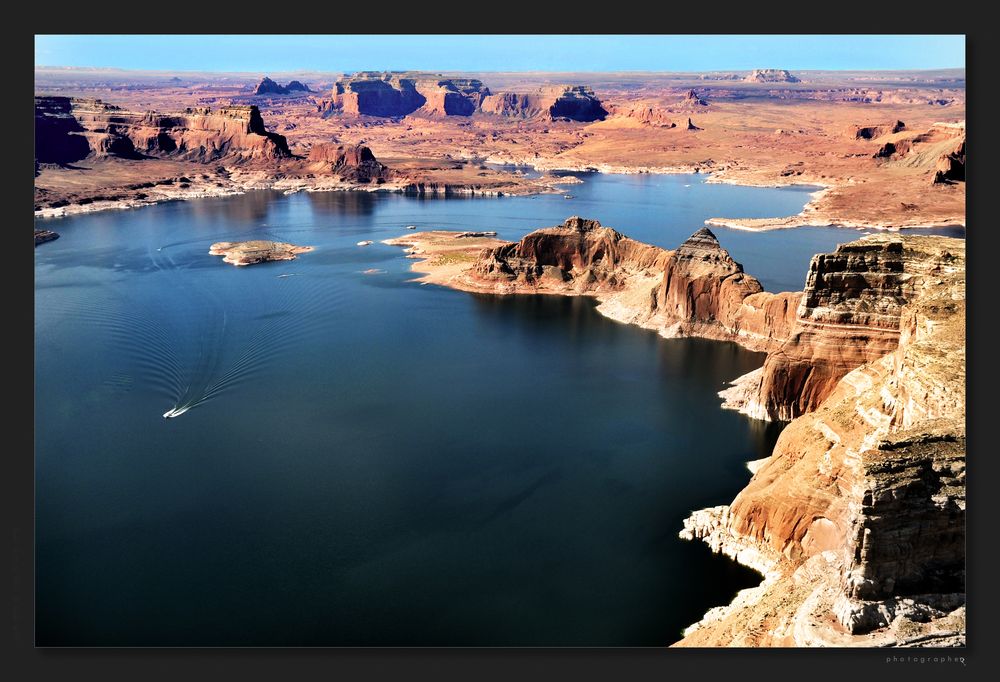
<point x="370" y="461"/>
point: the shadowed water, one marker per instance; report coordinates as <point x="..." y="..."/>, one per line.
<point x="359" y="459"/>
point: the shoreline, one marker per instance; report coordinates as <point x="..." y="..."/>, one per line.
<point x="810" y="216"/>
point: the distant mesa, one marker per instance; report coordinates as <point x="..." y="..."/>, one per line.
<point x="256" y="251"/>
<point x="269" y="87"/>
<point x="395" y="94"/>
<point x="561" y="102"/>
<point x="771" y="76"/>
<point x="870" y="131"/>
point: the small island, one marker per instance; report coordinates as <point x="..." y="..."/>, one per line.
<point x="42" y="236"/>
<point x="256" y="251"/>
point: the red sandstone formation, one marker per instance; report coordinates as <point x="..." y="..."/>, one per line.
<point x="580" y="254"/>
<point x="874" y="130"/>
<point x="66" y="127"/>
<point x="646" y="114"/>
<point x="951" y="166"/>
<point x="848" y="315"/>
<point x="858" y="516"/>
<point x="398" y="94"/>
<point x="390" y="94"/>
<point x="452" y="96"/>
<point x="355" y="163"/>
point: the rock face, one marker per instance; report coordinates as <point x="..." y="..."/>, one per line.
<point x="256" y="251"/>
<point x="579" y="255"/>
<point x="860" y="510"/>
<point x="452" y="97"/>
<point x="857" y="518"/>
<point x="577" y="103"/>
<point x="771" y="76"/>
<point x="874" y="130"/>
<point x="703" y="285"/>
<point x="269" y="87"/>
<point x="401" y="93"/>
<point x="355" y="163"/>
<point x="42" y="236"/>
<point x="951" y="166"/>
<point x="65" y="127"/>
<point x="849" y="315"/>
<point x="58" y="137"/>
<point x="389" y="94"/>
<point x="643" y="113"/>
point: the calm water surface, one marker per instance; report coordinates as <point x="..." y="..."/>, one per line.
<point x="371" y="461"/>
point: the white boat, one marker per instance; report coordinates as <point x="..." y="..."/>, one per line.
<point x="175" y="412"/>
<point x="367" y="242"/>
<point x="411" y="227"/>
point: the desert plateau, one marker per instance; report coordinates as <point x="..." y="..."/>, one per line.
<point x="509" y="358"/>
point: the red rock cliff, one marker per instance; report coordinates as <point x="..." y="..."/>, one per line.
<point x="200" y="134"/>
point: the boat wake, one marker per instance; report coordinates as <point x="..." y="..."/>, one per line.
<point x="211" y="336"/>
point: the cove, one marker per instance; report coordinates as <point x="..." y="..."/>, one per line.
<point x="376" y="462"/>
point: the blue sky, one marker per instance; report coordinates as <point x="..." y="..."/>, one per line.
<point x="500" y="53"/>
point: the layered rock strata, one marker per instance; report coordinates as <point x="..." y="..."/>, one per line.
<point x="399" y="94"/>
<point x="860" y="510"/>
<point x="68" y="130"/>
<point x="857" y="518"/>
<point x="355" y="163"/>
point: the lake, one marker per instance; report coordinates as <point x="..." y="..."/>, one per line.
<point x="369" y="461"/>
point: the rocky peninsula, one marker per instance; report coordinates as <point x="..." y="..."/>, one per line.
<point x="856" y="520"/>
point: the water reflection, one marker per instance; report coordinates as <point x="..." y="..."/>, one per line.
<point x="253" y="207"/>
<point x="343" y="203"/>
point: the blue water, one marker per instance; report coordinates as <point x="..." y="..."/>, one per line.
<point x="368" y="460"/>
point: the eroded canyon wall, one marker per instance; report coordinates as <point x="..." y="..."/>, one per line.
<point x="862" y="503"/>
<point x="64" y="126"/>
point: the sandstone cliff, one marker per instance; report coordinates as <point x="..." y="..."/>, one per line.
<point x="856" y="520"/>
<point x="860" y="510"/>
<point x="354" y="163"/>
<point x="71" y="129"/>
<point x="849" y="314"/>
<point x="396" y="94"/>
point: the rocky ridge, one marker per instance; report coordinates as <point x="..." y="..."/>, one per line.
<point x="396" y="94"/>
<point x="68" y="130"/>
<point x="859" y="511"/>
